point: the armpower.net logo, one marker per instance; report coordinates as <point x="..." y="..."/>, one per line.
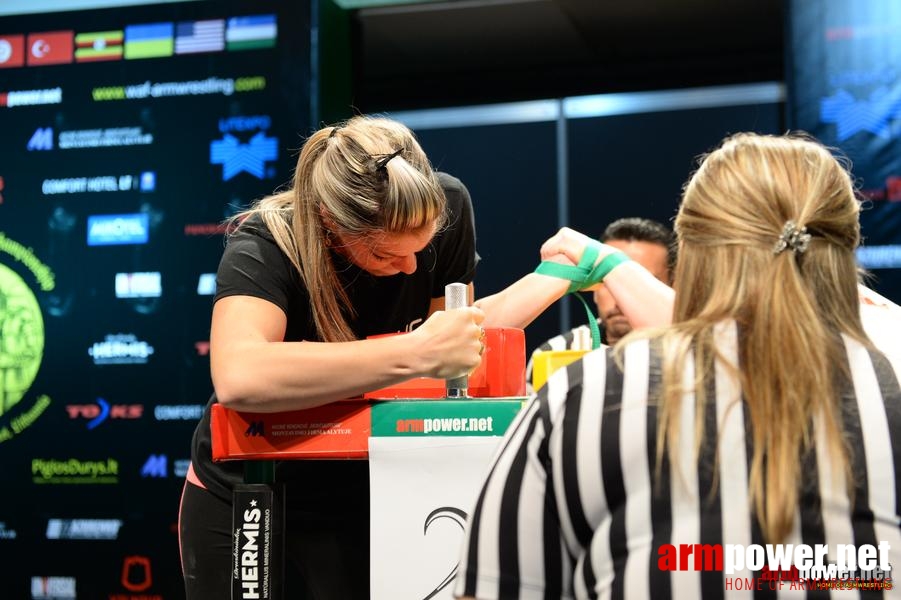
<point x="22" y="278"/>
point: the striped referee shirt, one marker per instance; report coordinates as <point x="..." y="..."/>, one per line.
<point x="571" y="507"/>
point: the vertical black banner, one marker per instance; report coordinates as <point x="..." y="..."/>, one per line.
<point x="258" y="522"/>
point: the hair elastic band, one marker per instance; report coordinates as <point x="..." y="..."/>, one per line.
<point x="380" y="163"/>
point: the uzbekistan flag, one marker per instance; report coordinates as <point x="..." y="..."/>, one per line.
<point x="151" y="40"/>
<point x="251" y="32"/>
<point x="200" y="36"/>
<point x="98" y="45"/>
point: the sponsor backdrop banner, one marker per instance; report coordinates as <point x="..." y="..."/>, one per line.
<point x="128" y="135"/>
<point x="844" y="87"/>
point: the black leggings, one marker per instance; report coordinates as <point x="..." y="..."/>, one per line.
<point x="326" y="551"/>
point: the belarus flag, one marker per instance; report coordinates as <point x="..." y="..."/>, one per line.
<point x="98" y="45"/>
<point x="49" y="48"/>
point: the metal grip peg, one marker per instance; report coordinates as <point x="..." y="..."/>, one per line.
<point x="456" y="295"/>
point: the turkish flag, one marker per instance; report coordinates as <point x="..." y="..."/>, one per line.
<point x="12" y="51"/>
<point x="49" y="48"/>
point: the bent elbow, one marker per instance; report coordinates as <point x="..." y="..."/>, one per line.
<point x="231" y="390"/>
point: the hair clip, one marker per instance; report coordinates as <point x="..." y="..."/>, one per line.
<point x="792" y="237"/>
<point x="380" y="163"/>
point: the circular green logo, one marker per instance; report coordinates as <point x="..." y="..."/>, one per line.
<point x="21" y="338"/>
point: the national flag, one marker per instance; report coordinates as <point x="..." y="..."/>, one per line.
<point x="98" y="45"/>
<point x="251" y="32"/>
<point x="49" y="48"/>
<point x="151" y="40"/>
<point x="200" y="36"/>
<point x="12" y="51"/>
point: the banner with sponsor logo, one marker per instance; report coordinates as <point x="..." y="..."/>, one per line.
<point x="426" y="463"/>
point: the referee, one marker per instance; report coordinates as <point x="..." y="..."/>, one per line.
<point x="763" y="416"/>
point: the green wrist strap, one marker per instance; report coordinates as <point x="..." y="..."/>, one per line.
<point x="585" y="274"/>
<point x="576" y="274"/>
<point x="603" y="268"/>
<point x="592" y="324"/>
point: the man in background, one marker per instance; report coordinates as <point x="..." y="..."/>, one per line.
<point x="649" y="243"/>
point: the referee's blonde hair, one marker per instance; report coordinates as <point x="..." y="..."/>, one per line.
<point x="362" y="177"/>
<point x="790" y="306"/>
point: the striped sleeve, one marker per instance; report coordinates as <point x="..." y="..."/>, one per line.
<point x="514" y="545"/>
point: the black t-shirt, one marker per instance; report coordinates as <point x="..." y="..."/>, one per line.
<point x="253" y="265"/>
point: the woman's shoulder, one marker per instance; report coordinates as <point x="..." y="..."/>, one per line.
<point x="449" y="182"/>
<point x="882" y="325"/>
<point x="251" y="225"/>
<point x="456" y="192"/>
<point x="252" y="242"/>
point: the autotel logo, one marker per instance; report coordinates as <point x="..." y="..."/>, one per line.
<point x="156" y="465"/>
<point x="107" y="230"/>
<point x="249" y="156"/>
<point x="255" y="429"/>
<point x="136" y="573"/>
<point x="21" y="336"/>
<point x="41" y="139"/>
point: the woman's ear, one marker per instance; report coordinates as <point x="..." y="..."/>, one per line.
<point x="328" y="226"/>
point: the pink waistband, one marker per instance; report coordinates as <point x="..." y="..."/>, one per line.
<point x="191" y="476"/>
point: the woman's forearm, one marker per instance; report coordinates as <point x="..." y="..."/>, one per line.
<point x="645" y="300"/>
<point x="253" y="373"/>
<point x="261" y="376"/>
<point x="523" y="301"/>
